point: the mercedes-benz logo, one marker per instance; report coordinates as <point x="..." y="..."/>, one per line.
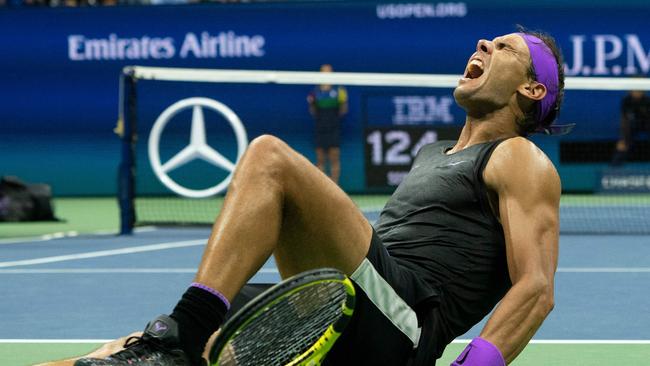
<point x="198" y="147"/>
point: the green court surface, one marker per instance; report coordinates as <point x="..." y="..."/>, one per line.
<point x="87" y="215"/>
<point x="22" y="354"/>
<point x="77" y="216"/>
<point x="605" y="199"/>
<point x="101" y="214"/>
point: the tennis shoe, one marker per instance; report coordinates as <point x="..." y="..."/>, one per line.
<point x="158" y="346"/>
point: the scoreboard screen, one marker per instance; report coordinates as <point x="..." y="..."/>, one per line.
<point x="397" y="123"/>
<point x="390" y="150"/>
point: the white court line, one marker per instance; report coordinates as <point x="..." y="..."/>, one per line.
<point x="70" y="234"/>
<point x="575" y="341"/>
<point x="266" y="270"/>
<point x="145" y="229"/>
<point x="604" y="269"/>
<point x="112" y="270"/>
<point x="103" y="253"/>
<point x="457" y="341"/>
<point x="80" y="341"/>
<point x="45" y="237"/>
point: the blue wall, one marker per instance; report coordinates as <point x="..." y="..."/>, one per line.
<point x="59" y="97"/>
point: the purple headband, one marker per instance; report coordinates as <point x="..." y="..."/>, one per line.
<point x="545" y="67"/>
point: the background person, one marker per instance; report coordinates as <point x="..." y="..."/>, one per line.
<point x="635" y="122"/>
<point x="328" y="105"/>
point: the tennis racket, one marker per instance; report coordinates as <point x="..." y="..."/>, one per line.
<point x="294" y="323"/>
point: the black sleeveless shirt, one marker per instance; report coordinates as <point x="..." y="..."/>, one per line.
<point x="439" y="224"/>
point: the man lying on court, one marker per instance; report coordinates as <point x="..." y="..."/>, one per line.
<point x="473" y="224"/>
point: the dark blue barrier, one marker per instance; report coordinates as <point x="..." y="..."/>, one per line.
<point x="60" y="68"/>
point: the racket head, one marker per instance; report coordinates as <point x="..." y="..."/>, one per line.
<point x="294" y="321"/>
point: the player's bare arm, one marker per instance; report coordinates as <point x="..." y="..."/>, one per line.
<point x="528" y="189"/>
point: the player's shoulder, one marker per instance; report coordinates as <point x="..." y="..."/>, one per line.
<point x="520" y="150"/>
<point x="519" y="159"/>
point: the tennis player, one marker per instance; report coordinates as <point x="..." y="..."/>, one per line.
<point x="475" y="223"/>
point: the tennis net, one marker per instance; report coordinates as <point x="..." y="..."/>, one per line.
<point x="183" y="131"/>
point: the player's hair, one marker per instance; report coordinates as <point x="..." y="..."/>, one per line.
<point x="528" y="123"/>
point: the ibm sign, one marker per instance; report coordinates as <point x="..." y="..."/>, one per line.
<point x="397" y="126"/>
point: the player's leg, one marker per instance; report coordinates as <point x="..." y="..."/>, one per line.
<point x="334" y="157"/>
<point x="292" y="209"/>
<point x="279" y="202"/>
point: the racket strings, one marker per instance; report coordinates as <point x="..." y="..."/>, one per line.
<point x="286" y="328"/>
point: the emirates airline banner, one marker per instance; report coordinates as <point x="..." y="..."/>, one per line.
<point x="60" y="69"/>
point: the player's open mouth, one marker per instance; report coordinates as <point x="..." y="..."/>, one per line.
<point x="474" y="70"/>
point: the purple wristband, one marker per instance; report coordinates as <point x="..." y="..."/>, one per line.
<point x="212" y="291"/>
<point x="480" y="353"/>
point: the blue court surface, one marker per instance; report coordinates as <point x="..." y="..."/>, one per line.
<point x="106" y="286"/>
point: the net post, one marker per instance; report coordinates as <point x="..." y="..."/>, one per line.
<point x="126" y="129"/>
